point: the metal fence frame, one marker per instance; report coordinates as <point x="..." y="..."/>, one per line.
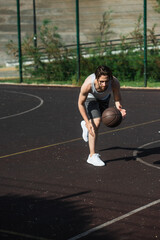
<point x="78" y="45"/>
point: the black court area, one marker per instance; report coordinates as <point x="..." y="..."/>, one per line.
<point x="47" y="189"/>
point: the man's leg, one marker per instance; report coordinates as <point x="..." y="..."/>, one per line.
<point x="92" y="139"/>
<point x="94" y="158"/>
<point x="94" y="114"/>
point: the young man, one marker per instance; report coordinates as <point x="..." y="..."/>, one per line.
<point x="93" y="100"/>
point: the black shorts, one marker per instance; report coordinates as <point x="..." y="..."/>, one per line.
<point x="95" y="107"/>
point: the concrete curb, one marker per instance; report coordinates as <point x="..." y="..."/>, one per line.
<point x="74" y="86"/>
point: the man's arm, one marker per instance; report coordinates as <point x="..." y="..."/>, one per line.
<point x="117" y="96"/>
<point x="85" y="89"/>
<point x="81" y="100"/>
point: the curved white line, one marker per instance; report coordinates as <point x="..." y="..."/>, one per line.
<point x="27" y="111"/>
<point x="135" y="154"/>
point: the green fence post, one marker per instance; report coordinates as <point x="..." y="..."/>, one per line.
<point x="145" y="43"/>
<point x="78" y="42"/>
<point x="34" y="24"/>
<point x="19" y="42"/>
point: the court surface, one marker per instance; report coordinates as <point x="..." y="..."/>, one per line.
<point x="48" y="191"/>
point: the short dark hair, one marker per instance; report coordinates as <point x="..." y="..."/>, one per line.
<point x="103" y="70"/>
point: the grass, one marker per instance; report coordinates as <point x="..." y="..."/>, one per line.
<point x="35" y="81"/>
<point x="140" y="84"/>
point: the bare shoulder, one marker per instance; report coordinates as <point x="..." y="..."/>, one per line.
<point x="86" y="86"/>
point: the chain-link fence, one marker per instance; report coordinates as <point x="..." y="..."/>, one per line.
<point x="99" y="21"/>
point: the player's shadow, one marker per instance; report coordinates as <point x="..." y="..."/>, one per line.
<point x="150" y="152"/>
<point x="157" y="162"/>
<point x="117" y="148"/>
<point x="141" y="153"/>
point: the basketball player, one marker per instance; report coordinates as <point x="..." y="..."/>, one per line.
<point x="93" y="99"/>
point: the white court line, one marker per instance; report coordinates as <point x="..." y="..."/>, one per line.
<point x="22" y="235"/>
<point x="135" y="154"/>
<point x="27" y="111"/>
<point x="114" y="220"/>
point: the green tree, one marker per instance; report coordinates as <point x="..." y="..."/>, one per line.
<point x="137" y="33"/>
<point x="104" y="31"/>
<point x="157" y="7"/>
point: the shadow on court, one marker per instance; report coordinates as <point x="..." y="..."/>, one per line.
<point x="124" y="158"/>
<point x="29" y="217"/>
<point x="142" y="153"/>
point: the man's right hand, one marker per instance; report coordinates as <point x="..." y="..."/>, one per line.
<point x="90" y="129"/>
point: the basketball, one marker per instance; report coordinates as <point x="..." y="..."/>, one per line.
<point x="111" y="117"/>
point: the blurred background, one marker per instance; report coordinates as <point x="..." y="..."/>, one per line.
<point x="104" y="27"/>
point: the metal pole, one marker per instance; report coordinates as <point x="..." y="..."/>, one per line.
<point x="145" y="43"/>
<point x="78" y="42"/>
<point x="34" y="24"/>
<point x="19" y="41"/>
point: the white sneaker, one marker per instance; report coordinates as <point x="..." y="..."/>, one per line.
<point x="85" y="131"/>
<point x="95" y="160"/>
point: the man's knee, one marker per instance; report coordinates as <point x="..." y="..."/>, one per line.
<point x="96" y="123"/>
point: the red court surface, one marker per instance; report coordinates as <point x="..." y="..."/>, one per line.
<point x="48" y="191"/>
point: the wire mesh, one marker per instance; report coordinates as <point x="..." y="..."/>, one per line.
<point x="62" y="14"/>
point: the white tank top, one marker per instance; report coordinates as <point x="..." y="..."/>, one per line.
<point x="99" y="95"/>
